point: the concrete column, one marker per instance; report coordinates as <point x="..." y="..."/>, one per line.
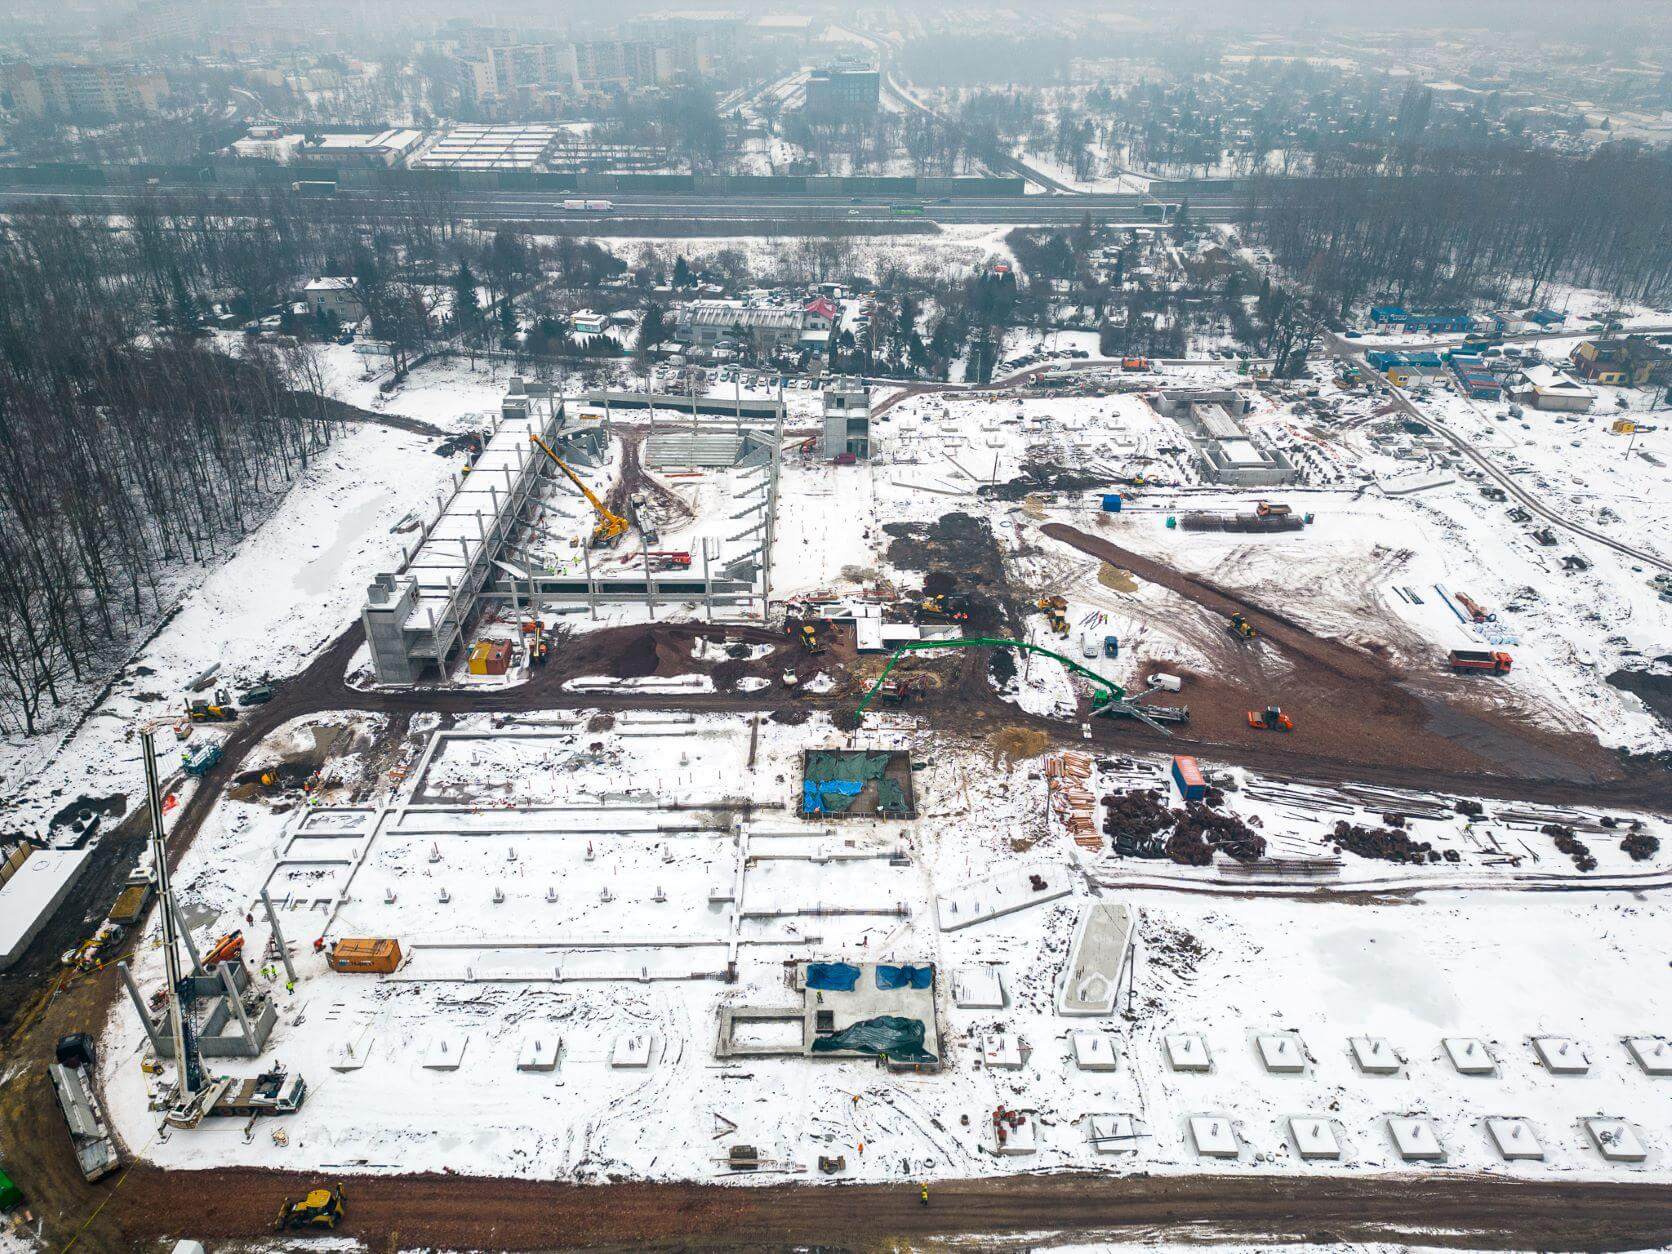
<point x="185" y="937"/>
<point x="140" y="1010"/>
<point x="273" y="922"/>
<point x="236" y="1003"/>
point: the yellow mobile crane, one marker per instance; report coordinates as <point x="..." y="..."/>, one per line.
<point x="611" y="526"/>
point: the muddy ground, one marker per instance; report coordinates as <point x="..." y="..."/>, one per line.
<point x="1348" y="704"/>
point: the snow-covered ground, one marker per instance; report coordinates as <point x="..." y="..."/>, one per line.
<point x="541" y="896"/>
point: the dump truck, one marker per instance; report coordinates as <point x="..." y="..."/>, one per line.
<point x="71" y="1076"/>
<point x="132" y="900"/>
<point x="320" y="1208"/>
<point x="1489" y="661"/>
<point x="372" y="955"/>
<point x="1270" y="509"/>
<point x="200" y="761"/>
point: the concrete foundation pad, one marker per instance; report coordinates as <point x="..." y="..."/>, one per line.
<point x="1314" y="1138"/>
<point x="1283" y="1053"/>
<point x="352" y="1053"/>
<point x="1651" y="1053"/>
<point x="1416" y="1139"/>
<point x="1514" y="1139"/>
<point x="445" y="1053"/>
<point x="992" y="896"/>
<point x="1093" y="1051"/>
<point x="1616" y="1140"/>
<point x="1375" y="1056"/>
<point x="1022" y="1139"/>
<point x="978" y="988"/>
<point x="631" y="1049"/>
<point x="1113" y="1134"/>
<point x="1188" y="1051"/>
<point x="1001" y="1050"/>
<point x="539" y="1051"/>
<point x="1561" y="1055"/>
<point x="1214" y="1136"/>
<point x="1471" y="1056"/>
<point x="1091" y="977"/>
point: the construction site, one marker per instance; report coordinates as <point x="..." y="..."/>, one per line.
<point x="1140" y="799"/>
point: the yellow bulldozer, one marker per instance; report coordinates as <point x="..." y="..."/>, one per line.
<point x="321" y="1208"/>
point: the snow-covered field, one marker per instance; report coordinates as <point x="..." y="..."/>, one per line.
<point x="598" y="915"/>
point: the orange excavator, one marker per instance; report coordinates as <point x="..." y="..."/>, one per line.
<point x="1270" y="719"/>
<point x="611" y="526"/>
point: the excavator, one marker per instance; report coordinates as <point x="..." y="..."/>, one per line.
<point x="1270" y="719"/>
<point x="1242" y="628"/>
<point x="220" y="710"/>
<point x="611" y="526"/>
<point x="809" y="637"/>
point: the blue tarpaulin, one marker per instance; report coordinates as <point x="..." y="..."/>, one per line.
<point x="899" y="1038"/>
<point x="840" y="977"/>
<point x="904" y="977"/>
<point x="832" y="795"/>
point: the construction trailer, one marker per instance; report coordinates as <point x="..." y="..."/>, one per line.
<point x="366" y="955"/>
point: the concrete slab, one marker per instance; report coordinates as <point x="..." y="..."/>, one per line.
<point x="978" y="988"/>
<point x="1471" y="1056"/>
<point x="1093" y="1051"/>
<point x="1314" y="1139"/>
<point x="1214" y="1136"/>
<point x="1375" y="1056"/>
<point x="1002" y="1050"/>
<point x="33" y="895"/>
<point x="631" y="1049"/>
<point x="1021" y="1139"/>
<point x="1091" y="976"/>
<point x="1514" y="1139"/>
<point x="1561" y="1055"/>
<point x="539" y="1051"/>
<point x="446" y="1051"/>
<point x="1651" y="1053"/>
<point x="994" y="895"/>
<point x="1283" y="1053"/>
<point x="1416" y="1139"/>
<point x="1616" y="1140"/>
<point x="1188" y="1051"/>
<point x="1112" y="1134"/>
<point x="351" y="1054"/>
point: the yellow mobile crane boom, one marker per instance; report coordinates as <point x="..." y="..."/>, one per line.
<point x="611" y="526"/>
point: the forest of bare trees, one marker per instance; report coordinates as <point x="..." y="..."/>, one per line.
<point x="128" y="452"/>
<point x="1504" y="226"/>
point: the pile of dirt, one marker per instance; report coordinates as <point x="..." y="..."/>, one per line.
<point x="1016" y="743"/>
<point x="1385" y="844"/>
<point x="726" y="674"/>
<point x="1640" y="846"/>
<point x="956" y="552"/>
<point x="1043" y="477"/>
<point x="1571" y="845"/>
<point x="1001" y="665"/>
<point x="1201" y="832"/>
<point x="637" y="658"/>
<point x="791" y="715"/>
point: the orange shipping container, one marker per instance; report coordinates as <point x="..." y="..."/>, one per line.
<point x="375" y="955"/>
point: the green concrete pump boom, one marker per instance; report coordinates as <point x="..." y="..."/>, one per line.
<point x="1108" y="689"/>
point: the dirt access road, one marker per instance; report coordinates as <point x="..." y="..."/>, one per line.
<point x="386" y="1212"/>
<point x="1352" y="706"/>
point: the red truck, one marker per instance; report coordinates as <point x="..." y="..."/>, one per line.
<point x="1492" y="663"/>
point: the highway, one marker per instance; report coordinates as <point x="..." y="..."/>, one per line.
<point x="494" y="206"/>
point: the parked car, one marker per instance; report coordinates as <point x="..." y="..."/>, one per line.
<point x="261" y="694"/>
